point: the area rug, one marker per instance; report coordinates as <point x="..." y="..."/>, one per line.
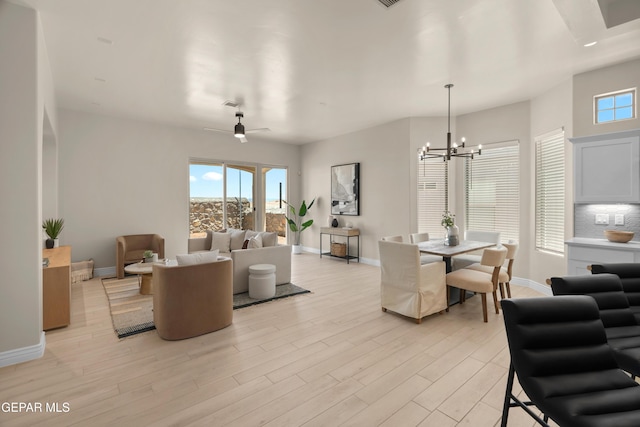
<point x="282" y="291"/>
<point x="132" y="313"/>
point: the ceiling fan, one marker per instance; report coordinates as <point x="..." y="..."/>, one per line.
<point x="239" y="131"/>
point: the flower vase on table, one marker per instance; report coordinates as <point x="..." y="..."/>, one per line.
<point x="451" y="235"/>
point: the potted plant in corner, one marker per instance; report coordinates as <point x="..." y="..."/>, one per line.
<point x="52" y="227"/>
<point x="296" y="225"/>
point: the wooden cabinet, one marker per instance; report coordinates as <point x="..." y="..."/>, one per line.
<point x="607" y="168"/>
<point x="56" y="288"/>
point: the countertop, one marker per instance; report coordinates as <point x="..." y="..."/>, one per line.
<point x="603" y="243"/>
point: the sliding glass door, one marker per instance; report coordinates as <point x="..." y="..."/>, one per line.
<point x="231" y="195"/>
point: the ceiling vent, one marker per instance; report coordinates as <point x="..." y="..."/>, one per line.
<point x="388" y="3"/>
<point x="230" y="104"/>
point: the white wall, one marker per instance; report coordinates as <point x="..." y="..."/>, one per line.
<point x="121" y="176"/>
<point x="25" y="93"/>
<point x="616" y="77"/>
<point x="385" y="182"/>
<point x="549" y="111"/>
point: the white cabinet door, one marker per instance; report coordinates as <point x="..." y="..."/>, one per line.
<point x="607" y="168"/>
<point x="607" y="171"/>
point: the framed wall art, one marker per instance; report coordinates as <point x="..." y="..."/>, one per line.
<point x="345" y="189"/>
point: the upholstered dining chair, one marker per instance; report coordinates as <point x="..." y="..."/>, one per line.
<point x="424" y="237"/>
<point x="130" y="249"/>
<point x="559" y="350"/>
<point x="506" y="274"/>
<point x="393" y="239"/>
<point x="419" y="237"/>
<point x="479" y="281"/>
<point x="407" y="287"/>
<point x="465" y="260"/>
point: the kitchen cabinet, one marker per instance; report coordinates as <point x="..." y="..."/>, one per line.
<point x="582" y="252"/>
<point x="607" y="168"/>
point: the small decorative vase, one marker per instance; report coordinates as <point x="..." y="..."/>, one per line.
<point x="49" y="243"/>
<point x="334" y="223"/>
<point x="330" y="221"/>
<point x="451" y="236"/>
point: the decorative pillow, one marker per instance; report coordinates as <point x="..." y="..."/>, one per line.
<point x="269" y="239"/>
<point x="245" y="244"/>
<point x="250" y="233"/>
<point x="254" y="243"/>
<point x="220" y="241"/>
<point x="237" y="238"/>
<point x="197" y="258"/>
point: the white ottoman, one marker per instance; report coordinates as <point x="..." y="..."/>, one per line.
<point x="262" y="281"/>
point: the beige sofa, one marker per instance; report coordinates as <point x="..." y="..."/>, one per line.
<point x="278" y="255"/>
<point x="191" y="300"/>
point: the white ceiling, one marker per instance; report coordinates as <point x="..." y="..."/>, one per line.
<point x="313" y="69"/>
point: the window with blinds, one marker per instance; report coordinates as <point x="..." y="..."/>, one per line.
<point x="492" y="188"/>
<point x="550" y="192"/>
<point x="433" y="194"/>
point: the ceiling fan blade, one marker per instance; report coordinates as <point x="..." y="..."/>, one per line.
<point x="218" y="130"/>
<point x="257" y="130"/>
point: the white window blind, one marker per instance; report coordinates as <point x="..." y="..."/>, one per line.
<point x="550" y="192"/>
<point x="492" y="189"/>
<point x="433" y="195"/>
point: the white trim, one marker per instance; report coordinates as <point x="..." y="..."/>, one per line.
<point x="528" y="283"/>
<point x="25" y="354"/>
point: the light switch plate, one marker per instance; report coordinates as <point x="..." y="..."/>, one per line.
<point x="619" y="219"/>
<point x="602" y="219"/>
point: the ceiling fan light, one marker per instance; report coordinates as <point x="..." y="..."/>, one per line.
<point x="239" y="131"/>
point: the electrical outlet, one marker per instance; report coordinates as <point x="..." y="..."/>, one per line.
<point x="602" y="219"/>
<point x="619" y="219"/>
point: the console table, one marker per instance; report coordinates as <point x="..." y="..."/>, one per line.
<point x="56" y="283"/>
<point x="348" y="233"/>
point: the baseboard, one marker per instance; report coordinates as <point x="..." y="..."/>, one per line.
<point x="104" y="272"/>
<point x="25" y="354"/>
<point x="528" y="283"/>
<point x="368" y="261"/>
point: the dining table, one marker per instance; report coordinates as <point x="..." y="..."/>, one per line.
<point x="437" y="247"/>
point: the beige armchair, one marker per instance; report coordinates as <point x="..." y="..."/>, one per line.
<point x="130" y="249"/>
<point x="191" y="300"/>
<point x="406" y="287"/>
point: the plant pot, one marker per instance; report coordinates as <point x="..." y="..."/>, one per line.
<point x="296" y="249"/>
<point x="49" y="243"/>
<point x="56" y="243"/>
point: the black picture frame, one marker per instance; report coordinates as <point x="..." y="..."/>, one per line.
<point x="345" y="189"/>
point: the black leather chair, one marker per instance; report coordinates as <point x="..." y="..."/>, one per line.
<point x="621" y="328"/>
<point x="559" y="350"/>
<point x="629" y="274"/>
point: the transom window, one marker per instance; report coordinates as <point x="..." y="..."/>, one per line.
<point x="615" y="106"/>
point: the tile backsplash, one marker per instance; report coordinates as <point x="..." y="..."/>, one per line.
<point x="585" y="215"/>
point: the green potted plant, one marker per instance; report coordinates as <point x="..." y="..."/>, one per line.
<point x="295" y="222"/>
<point x="52" y="227"/>
<point x="149" y="256"/>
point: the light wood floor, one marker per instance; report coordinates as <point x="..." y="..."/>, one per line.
<point x="327" y="358"/>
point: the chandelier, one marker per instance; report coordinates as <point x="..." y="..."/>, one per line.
<point x="452" y="150"/>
